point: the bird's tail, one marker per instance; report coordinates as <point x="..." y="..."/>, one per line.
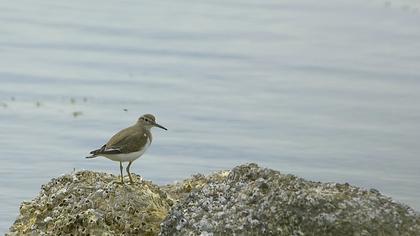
<point x="96" y="152"/>
<point x="93" y="156"/>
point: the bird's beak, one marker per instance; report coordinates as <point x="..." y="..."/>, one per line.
<point x="158" y="125"/>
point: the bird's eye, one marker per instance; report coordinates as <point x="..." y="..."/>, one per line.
<point x="146" y="119"/>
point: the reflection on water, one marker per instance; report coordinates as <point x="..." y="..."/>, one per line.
<point x="327" y="91"/>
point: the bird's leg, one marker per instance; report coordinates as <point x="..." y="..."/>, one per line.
<point x="128" y="172"/>
<point x="122" y="177"/>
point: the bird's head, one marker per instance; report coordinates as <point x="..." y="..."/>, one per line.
<point x="149" y="121"/>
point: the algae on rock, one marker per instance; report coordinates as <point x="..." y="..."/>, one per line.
<point x="93" y="203"/>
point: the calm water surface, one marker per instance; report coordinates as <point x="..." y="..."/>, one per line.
<point x="327" y="90"/>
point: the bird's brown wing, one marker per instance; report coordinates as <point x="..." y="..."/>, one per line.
<point x="131" y="139"/>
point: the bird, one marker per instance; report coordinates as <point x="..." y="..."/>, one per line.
<point x="129" y="144"/>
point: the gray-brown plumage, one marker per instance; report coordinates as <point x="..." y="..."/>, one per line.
<point x="129" y="144"/>
<point x="130" y="139"/>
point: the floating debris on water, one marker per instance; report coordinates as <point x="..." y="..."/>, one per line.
<point x="125" y="109"/>
<point x="38" y="103"/>
<point x="3" y="104"/>
<point x="72" y="100"/>
<point x="77" y="113"/>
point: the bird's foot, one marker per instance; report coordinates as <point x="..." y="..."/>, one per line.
<point x="131" y="180"/>
<point x="119" y="181"/>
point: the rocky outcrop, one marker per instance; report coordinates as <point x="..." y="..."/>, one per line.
<point x="250" y="200"/>
<point x="247" y="200"/>
<point x="90" y="203"/>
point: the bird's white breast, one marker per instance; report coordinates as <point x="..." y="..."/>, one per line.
<point x="126" y="157"/>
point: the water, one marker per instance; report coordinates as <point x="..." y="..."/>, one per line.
<point x="325" y="90"/>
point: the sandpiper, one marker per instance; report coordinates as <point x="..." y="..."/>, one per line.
<point x="129" y="144"/>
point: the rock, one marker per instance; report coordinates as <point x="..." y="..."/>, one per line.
<point x="250" y="200"/>
<point x="179" y="191"/>
<point x="93" y="203"/>
<point x="247" y="200"/>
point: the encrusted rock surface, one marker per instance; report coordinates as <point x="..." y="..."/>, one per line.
<point x="250" y="200"/>
<point x="247" y="200"/>
<point x="86" y="202"/>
